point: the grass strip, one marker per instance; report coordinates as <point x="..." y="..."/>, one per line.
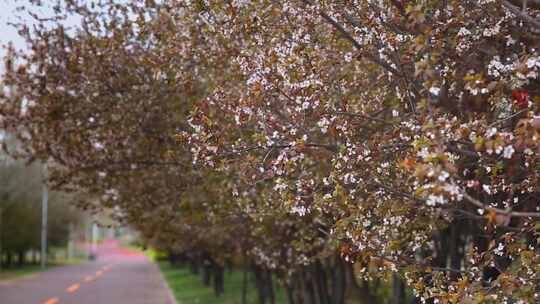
<point x="189" y="289"/>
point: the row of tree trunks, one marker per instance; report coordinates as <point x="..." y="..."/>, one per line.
<point x="323" y="282"/>
<point x="212" y="273"/>
<point x="328" y="281"/>
<point x="332" y="280"/>
<point x="10" y="259"/>
<point x="265" y="285"/>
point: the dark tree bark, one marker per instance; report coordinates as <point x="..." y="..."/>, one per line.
<point x="308" y="288"/>
<point x="258" y="285"/>
<point x="9" y="259"/>
<point x="313" y="281"/>
<point x="290" y="292"/>
<point x="339" y="281"/>
<point x="207" y="273"/>
<point x="244" y="284"/>
<point x="456" y="248"/>
<point x="194" y="265"/>
<point x="270" y="287"/>
<point x="398" y="290"/>
<point x="22" y="258"/>
<point x="322" y="282"/>
<point x="219" y="280"/>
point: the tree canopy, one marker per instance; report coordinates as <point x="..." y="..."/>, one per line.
<point x="401" y="136"/>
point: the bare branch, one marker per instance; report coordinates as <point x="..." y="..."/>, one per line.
<point x="355" y="43"/>
<point x="362" y="116"/>
<point x="506" y="118"/>
<point x="527" y="3"/>
<point x="500" y="211"/>
<point x="522" y="14"/>
<point x="331" y="148"/>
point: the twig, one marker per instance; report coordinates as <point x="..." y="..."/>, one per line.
<point x="521" y="14"/>
<point x="332" y="148"/>
<point x="506" y="118"/>
<point x="355" y="43"/>
<point x="362" y="116"/>
<point x="499" y="211"/>
<point x="527" y="3"/>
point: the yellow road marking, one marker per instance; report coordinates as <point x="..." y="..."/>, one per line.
<point x="51" y="301"/>
<point x="88" y="279"/>
<point x="73" y="287"/>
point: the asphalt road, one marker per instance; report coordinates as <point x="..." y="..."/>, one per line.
<point x="118" y="276"/>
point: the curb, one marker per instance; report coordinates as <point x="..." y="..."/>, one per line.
<point x="172" y="299"/>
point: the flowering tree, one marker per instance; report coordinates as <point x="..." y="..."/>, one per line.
<point x="398" y="135"/>
<point x="375" y="113"/>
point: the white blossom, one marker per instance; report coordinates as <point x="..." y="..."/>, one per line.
<point x="508" y="151"/>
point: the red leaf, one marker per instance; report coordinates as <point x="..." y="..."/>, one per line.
<point x="521" y="98"/>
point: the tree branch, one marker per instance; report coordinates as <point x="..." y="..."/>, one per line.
<point x="522" y="14"/>
<point x="355" y="43"/>
<point x="331" y="148"/>
<point x="530" y="3"/>
<point x="362" y="116"/>
<point x="499" y="211"/>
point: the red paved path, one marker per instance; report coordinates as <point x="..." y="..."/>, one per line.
<point x="118" y="276"/>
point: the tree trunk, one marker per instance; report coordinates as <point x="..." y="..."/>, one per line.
<point x="297" y="288"/>
<point x="244" y="284"/>
<point x="398" y="290"/>
<point x="308" y="288"/>
<point x="194" y="265"/>
<point x="367" y="295"/>
<point x="313" y="282"/>
<point x="290" y="292"/>
<point x="1" y="233"/>
<point x="9" y="259"/>
<point x="270" y="287"/>
<point x="229" y="266"/>
<point x="173" y="258"/>
<point x="259" y="284"/>
<point x="339" y="281"/>
<point x="456" y="249"/>
<point x="219" y="282"/>
<point x="22" y="259"/>
<point x="207" y="273"/>
<point x="322" y="282"/>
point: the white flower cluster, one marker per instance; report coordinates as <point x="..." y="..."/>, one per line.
<point x="496" y="29"/>
<point x="508" y="151"/>
<point x="533" y="62"/>
<point x="299" y="210"/>
<point x="434" y="200"/>
<point x="496" y="68"/>
<point x="323" y="124"/>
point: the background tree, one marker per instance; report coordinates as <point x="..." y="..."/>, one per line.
<point x="20" y="204"/>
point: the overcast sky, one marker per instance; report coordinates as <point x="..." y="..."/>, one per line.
<point x="7" y="14"/>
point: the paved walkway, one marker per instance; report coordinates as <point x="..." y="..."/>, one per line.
<point x="118" y="276"/>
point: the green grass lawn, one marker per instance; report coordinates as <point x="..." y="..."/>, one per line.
<point x="188" y="288"/>
<point x="28" y="269"/>
<point x="12" y="273"/>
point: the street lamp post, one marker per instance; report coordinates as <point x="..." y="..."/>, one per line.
<point x="71" y="245"/>
<point x="1" y="253"/>
<point x="44" y="211"/>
